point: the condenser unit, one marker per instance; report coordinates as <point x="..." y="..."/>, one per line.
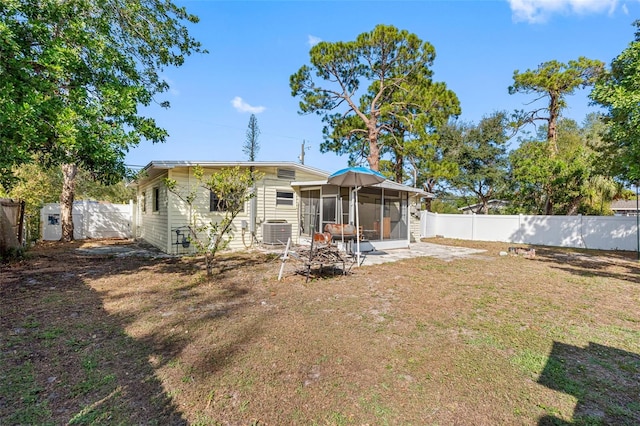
<point x="276" y="232"/>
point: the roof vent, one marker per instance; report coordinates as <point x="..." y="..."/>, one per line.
<point x="286" y="174"/>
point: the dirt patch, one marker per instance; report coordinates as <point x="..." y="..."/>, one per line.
<point x="97" y="338"/>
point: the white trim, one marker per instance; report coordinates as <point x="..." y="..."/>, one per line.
<point x="387" y="184"/>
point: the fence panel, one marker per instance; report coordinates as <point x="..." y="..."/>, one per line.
<point x="594" y="232"/>
<point x="91" y="219"/>
<point x="495" y="228"/>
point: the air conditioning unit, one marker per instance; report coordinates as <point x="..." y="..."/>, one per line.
<point x="276" y="232"/>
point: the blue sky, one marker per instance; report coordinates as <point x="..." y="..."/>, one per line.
<point x="256" y="45"/>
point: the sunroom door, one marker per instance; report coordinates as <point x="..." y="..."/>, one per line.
<point x="329" y="210"/>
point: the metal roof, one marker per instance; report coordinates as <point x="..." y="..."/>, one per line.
<point x="387" y="184"/>
<point x="154" y="168"/>
<point x="624" y="205"/>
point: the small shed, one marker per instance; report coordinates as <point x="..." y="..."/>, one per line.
<point x="91" y="219"/>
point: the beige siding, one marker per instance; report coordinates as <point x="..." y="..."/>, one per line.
<point x="158" y="228"/>
<point x="414" y="220"/>
<point x="152" y="225"/>
<point x="267" y="205"/>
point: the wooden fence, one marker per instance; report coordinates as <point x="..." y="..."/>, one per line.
<point x="11" y="224"/>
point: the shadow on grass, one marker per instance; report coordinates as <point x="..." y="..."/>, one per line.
<point x="603" y="264"/>
<point x="603" y="379"/>
<point x="65" y="360"/>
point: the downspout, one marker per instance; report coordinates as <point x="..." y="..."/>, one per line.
<point x="253" y="211"/>
<point x="169" y="233"/>
<point x="253" y="206"/>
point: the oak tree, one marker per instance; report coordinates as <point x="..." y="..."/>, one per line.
<point x="76" y="73"/>
<point x="618" y="90"/>
<point x="480" y="152"/>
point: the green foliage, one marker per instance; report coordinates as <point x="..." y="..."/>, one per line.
<point x="443" y="206"/>
<point x="570" y="182"/>
<point x="232" y="189"/>
<point x="38" y="185"/>
<point x="251" y="145"/>
<point x="554" y="81"/>
<point x="480" y="153"/>
<point x="398" y="104"/>
<point x="72" y="77"/>
<point x="618" y="91"/>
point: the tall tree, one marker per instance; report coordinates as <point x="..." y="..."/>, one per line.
<point x="554" y="81"/>
<point x="84" y="67"/>
<point x="480" y="151"/>
<point x="251" y="145"/>
<point x="618" y="90"/>
<point x="382" y="77"/>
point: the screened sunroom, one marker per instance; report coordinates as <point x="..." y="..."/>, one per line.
<point x="383" y="210"/>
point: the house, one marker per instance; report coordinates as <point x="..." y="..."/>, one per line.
<point x="292" y="200"/>
<point x="495" y="206"/>
<point x="624" y="207"/>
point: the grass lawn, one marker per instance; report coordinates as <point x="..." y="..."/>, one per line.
<point x="482" y="340"/>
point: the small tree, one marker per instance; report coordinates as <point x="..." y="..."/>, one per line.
<point x="231" y="189"/>
<point x="251" y="146"/>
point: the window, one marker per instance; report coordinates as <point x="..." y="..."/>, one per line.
<point x="156" y="199"/>
<point x="215" y="203"/>
<point x="286" y="174"/>
<point x="218" y="205"/>
<point x="284" y="198"/>
<point x="143" y="202"/>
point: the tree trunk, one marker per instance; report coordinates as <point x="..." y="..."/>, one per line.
<point x="398" y="168"/>
<point x="574" y="206"/>
<point x="484" y="209"/>
<point x="429" y="186"/>
<point x="548" y="206"/>
<point x="208" y="261"/>
<point x="552" y="131"/>
<point x="374" y="150"/>
<point x="374" y="156"/>
<point x="66" y="201"/>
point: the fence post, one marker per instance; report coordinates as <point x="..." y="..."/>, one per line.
<point x="436" y="224"/>
<point x="581" y="230"/>
<point x="473" y="226"/>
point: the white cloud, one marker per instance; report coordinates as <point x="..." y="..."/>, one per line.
<point x="240" y="105"/>
<point x="172" y="86"/>
<point x="537" y="11"/>
<point x="313" y="40"/>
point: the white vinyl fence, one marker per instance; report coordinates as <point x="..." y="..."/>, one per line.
<point x="592" y="232"/>
<point x="91" y="219"/>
